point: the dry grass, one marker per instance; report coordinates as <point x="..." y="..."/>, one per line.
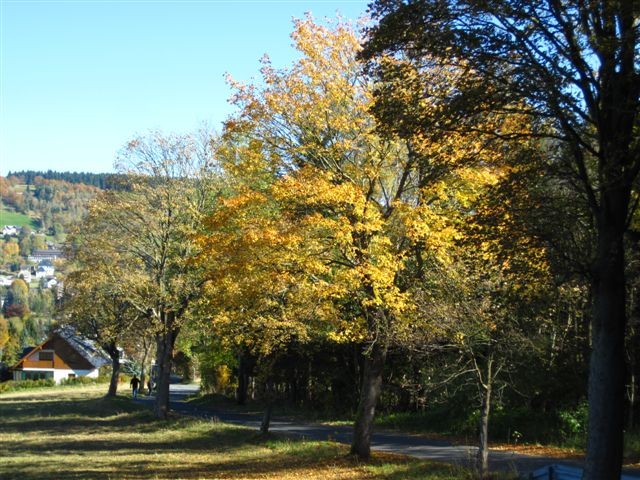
<point x="562" y="453"/>
<point x="75" y="433"/>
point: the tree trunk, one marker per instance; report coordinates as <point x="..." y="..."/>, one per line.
<point x="165" y="342"/>
<point x="143" y="370"/>
<point x="114" y="353"/>
<point x="483" y="444"/>
<point x="632" y="399"/>
<point x="607" y="373"/>
<point x="269" y="394"/>
<point x="633" y="341"/>
<point x="243" y="381"/>
<point x="266" y="417"/>
<point x="369" y="395"/>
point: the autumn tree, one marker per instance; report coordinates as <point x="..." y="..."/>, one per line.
<point x="93" y="303"/>
<point x="501" y="309"/>
<point x="310" y="126"/>
<point x="535" y="218"/>
<point x="10" y="251"/>
<point x="330" y="208"/>
<point x="483" y="324"/>
<point x="17" y="301"/>
<point x="263" y="291"/>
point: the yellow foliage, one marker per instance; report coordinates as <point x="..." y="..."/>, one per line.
<point x="326" y="212"/>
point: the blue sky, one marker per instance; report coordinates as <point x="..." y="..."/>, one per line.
<point x="80" y="78"/>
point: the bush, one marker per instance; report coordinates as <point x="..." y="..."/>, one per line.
<point x="573" y="422"/>
<point x="439" y="419"/>
<point x="82" y="381"/>
<point x="565" y="427"/>
<point x="521" y="424"/>
<point x="13" y="386"/>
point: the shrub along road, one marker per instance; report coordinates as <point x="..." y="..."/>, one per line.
<point x="400" y="443"/>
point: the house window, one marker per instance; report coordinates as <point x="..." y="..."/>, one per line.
<point x="45" y="355"/>
<point x="71" y="375"/>
<point x="35" y="375"/>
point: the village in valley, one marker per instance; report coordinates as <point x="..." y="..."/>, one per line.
<point x="36" y="272"/>
<point x="39" y="266"/>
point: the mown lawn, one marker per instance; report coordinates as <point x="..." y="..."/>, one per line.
<point x="76" y="433"/>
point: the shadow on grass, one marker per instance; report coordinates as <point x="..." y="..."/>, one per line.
<point x="287" y="468"/>
<point x="225" y="440"/>
<point x="100" y="438"/>
<point x="247" y="456"/>
<point x="69" y="417"/>
<point x="262" y="465"/>
<point x="418" y="470"/>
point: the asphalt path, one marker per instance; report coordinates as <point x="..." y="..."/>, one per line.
<point x="394" y="442"/>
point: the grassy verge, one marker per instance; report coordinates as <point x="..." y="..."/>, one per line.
<point x="65" y="433"/>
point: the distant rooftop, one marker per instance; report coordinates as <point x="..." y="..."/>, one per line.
<point x="50" y="254"/>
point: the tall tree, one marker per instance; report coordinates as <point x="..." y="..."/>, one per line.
<point x="337" y="206"/>
<point x="151" y="218"/>
<point x="333" y="178"/>
<point x="574" y="65"/>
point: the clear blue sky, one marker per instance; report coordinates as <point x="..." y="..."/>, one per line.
<point x="80" y="78"/>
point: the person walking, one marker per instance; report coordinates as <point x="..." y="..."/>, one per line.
<point x="135" y="385"/>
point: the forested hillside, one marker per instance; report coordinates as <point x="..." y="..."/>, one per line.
<point x="51" y="205"/>
<point x="31" y="177"/>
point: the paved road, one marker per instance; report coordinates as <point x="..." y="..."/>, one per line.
<point x="405" y="444"/>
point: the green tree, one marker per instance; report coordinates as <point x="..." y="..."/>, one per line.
<point x="575" y="68"/>
<point x="25" y="247"/>
<point x="41" y="301"/>
<point x="13" y="347"/>
<point x="38" y="242"/>
<point x="4" y="335"/>
<point x="24" y="240"/>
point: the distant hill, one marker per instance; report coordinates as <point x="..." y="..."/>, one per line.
<point x="47" y="205"/>
<point x="100" y="180"/>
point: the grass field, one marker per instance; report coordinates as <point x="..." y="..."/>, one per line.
<point x="18" y="219"/>
<point x="76" y="433"/>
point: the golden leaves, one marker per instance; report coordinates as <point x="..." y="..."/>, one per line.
<point x="326" y="214"/>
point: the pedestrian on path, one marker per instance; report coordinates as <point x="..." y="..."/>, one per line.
<point x="135" y="385"/>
